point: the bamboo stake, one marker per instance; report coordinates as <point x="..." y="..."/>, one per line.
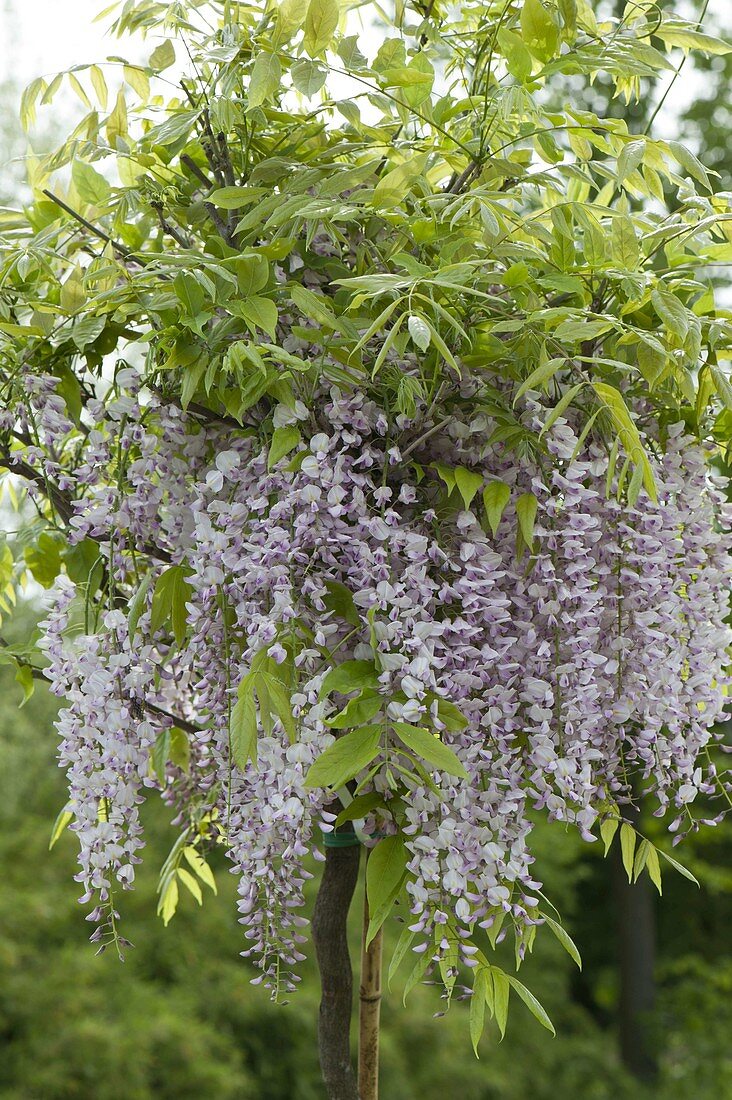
<point x="369" y="1012"/>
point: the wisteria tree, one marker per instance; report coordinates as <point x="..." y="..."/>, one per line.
<point x="357" y="409"/>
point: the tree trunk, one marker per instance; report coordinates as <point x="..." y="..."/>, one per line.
<point x="330" y="937"/>
<point x="637" y="956"/>
<point x="369" y="1011"/>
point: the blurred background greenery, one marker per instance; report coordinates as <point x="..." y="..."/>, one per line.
<point x="179" y="1018"/>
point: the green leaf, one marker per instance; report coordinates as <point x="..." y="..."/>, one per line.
<point x="468" y="484"/>
<point x="495" y="498"/>
<point x="531" y="1003"/>
<point x="396" y="185"/>
<point x="451" y="716"/>
<point x="478" y="1006"/>
<point x="608" y="829"/>
<point x="518" y="59"/>
<point x="429" y="747"/>
<point x="722" y="384"/>
<point x="265" y="78"/>
<point x="243" y="727"/>
<point x="419" y="331"/>
<point x="360" y="709"/>
<point x="277" y="698"/>
<point x="321" y="23"/>
<point x="258" y="312"/>
<point x="625" y="246"/>
<point x="190" y="294"/>
<point x="678" y="867"/>
<point x="385" y="871"/>
<point x="315" y="306"/>
<point x="564" y="402"/>
<point x="564" y="938"/>
<point x="627" y="847"/>
<point x="180" y="749"/>
<point x="233" y="198"/>
<point x="350" y="676"/>
<point x="654" y="869"/>
<point x="446" y="474"/>
<point x="24" y="677"/>
<point x="99" y="85"/>
<point x="691" y="164"/>
<point x="677" y="33"/>
<point x="91" y="186"/>
<point x="345" y="758"/>
<point x="575" y="332"/>
<point x="199" y="865"/>
<point x="339" y="600"/>
<point x="307" y="76"/>
<point x="359" y="807"/>
<point x="641" y="858"/>
<point x="138" y="604"/>
<point x="538" y="30"/>
<point x="672" y="312"/>
<point x="403" y="944"/>
<point x="417" y="973"/>
<point x="191" y="884"/>
<point x="64" y="818"/>
<point x="138" y="80"/>
<point x="630" y="157"/>
<point x="117" y="126"/>
<point x="44" y="559"/>
<point x="284" y="440"/>
<point x="163" y="56"/>
<point x="543" y="372"/>
<point x="628" y="432"/>
<point x="501" y="993"/>
<point x="160" y="754"/>
<point x="168" y="901"/>
<point x="171" y="594"/>
<point x="526" y="508"/>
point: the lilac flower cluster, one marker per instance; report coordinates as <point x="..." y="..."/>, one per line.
<point x="584" y="671"/>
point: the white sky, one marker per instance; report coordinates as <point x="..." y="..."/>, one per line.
<point x="39" y="37"/>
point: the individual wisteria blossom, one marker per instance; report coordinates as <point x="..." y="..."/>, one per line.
<point x="577" y="672"/>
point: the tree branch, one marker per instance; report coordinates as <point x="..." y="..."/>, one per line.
<point x="168" y="228"/>
<point x="127" y="253"/>
<point x="194" y="169"/>
<point x="182" y="723"/>
<point x="330" y="937"/>
<point x="62" y="503"/>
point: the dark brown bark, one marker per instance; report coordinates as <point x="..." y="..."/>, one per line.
<point x="340" y="874"/>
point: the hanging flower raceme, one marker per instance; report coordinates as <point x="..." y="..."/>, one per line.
<point x="341" y="630"/>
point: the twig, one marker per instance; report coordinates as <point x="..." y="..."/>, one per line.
<point x="182" y="723"/>
<point x="456" y="186"/>
<point x="63" y="504"/>
<point x="426" y="435"/>
<point x="194" y="169"/>
<point x="166" y="226"/>
<point x="95" y="229"/>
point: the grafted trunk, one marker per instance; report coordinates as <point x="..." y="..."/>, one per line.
<point x="330" y="936"/>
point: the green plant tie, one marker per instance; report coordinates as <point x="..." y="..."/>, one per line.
<point x="340" y="840"/>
